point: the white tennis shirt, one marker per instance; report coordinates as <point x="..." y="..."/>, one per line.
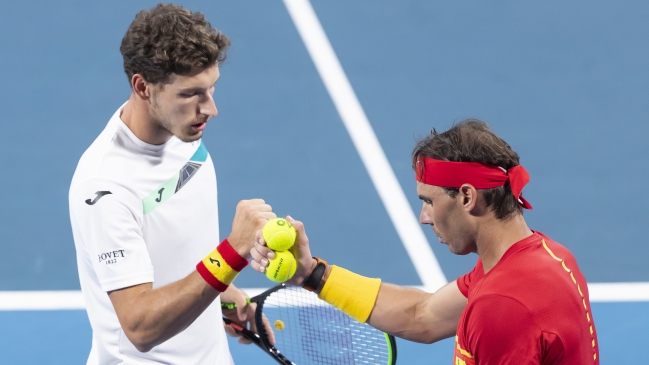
<point x="143" y="213"/>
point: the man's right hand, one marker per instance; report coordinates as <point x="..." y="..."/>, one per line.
<point x="250" y="217"/>
<point x="305" y="263"/>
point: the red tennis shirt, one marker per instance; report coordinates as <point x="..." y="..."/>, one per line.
<point x="531" y="308"/>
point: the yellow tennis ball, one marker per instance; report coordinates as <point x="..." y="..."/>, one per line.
<point x="279" y="234"/>
<point x="282" y="267"/>
<point x="279" y="325"/>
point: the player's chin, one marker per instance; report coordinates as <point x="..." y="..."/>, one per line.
<point x="458" y="250"/>
<point x="190" y="135"/>
<point x="454" y="249"/>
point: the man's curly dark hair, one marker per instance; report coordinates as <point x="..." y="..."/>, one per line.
<point x="169" y="39"/>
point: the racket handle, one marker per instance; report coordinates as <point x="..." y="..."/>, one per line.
<point x="234" y="325"/>
<point x="246" y="333"/>
<point x="237" y="327"/>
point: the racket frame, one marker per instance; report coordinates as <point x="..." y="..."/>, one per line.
<point x="261" y="339"/>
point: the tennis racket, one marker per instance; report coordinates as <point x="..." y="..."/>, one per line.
<point x="310" y="331"/>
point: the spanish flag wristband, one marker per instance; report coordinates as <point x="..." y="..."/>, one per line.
<point x="353" y="294"/>
<point x="221" y="266"/>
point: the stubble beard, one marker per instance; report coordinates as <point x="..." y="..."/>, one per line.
<point x="461" y="247"/>
<point x="166" y="126"/>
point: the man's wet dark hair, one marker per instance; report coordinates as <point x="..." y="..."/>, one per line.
<point x="472" y="140"/>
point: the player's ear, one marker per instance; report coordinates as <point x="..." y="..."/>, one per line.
<point x="469" y="197"/>
<point x="141" y="87"/>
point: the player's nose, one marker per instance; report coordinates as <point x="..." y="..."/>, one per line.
<point x="209" y="107"/>
<point x="424" y="218"/>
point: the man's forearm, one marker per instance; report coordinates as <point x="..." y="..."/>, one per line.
<point x="155" y="315"/>
<point x="415" y="315"/>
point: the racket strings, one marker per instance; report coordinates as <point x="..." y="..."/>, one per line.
<point x="314" y="332"/>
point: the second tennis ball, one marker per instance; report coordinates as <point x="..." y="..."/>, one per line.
<point x="282" y="267"/>
<point x="279" y="234"/>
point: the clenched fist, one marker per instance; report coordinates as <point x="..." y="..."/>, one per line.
<point x="250" y="217"/>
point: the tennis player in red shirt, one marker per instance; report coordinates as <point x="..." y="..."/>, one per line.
<point x="524" y="302"/>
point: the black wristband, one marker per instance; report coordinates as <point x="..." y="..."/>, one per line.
<point x="312" y="282"/>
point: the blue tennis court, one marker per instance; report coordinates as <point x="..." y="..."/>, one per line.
<point x="566" y="84"/>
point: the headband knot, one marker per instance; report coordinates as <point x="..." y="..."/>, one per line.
<point x="451" y="174"/>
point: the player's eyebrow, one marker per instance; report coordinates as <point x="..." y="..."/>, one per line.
<point x="191" y="89"/>
<point x="421" y="197"/>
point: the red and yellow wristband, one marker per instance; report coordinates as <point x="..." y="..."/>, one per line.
<point x="221" y="266"/>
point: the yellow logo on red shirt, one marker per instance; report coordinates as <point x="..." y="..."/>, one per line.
<point x="462" y="356"/>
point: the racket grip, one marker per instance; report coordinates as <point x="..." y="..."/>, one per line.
<point x="234" y="325"/>
<point x="246" y="333"/>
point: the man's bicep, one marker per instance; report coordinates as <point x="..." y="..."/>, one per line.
<point x="107" y="225"/>
<point x="500" y="330"/>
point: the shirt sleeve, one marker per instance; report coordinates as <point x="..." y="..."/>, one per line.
<point x="501" y="331"/>
<point x="464" y="281"/>
<point x="107" y="225"/>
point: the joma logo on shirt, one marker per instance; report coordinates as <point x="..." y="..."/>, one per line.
<point x="99" y="195"/>
<point x="111" y="256"/>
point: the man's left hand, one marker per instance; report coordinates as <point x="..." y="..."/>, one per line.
<point x="243" y="314"/>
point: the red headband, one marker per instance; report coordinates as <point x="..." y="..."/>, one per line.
<point x="453" y="174"/>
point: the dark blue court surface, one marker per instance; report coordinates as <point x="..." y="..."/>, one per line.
<point x="566" y="84"/>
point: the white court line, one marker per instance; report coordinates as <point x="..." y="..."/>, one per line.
<point x="619" y="292"/>
<point x="41" y="300"/>
<point x="26" y="300"/>
<point x="366" y="143"/>
<point x="73" y="300"/>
